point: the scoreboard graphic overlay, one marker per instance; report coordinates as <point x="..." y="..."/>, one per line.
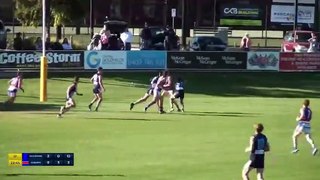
<point x="40" y="159"/>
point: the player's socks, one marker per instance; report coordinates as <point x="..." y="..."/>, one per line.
<point x="145" y="109"/>
<point x="90" y="105"/>
<point x="295" y="150"/>
<point x="131" y="106"/>
<point x="314" y="151"/>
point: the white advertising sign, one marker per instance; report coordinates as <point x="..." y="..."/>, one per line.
<point x="293" y="1"/>
<point x="173" y="12"/>
<point x="105" y="59"/>
<point x="286" y="14"/>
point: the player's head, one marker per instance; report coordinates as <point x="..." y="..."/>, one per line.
<point x="76" y="80"/>
<point x="160" y="73"/>
<point x="306" y="102"/>
<point x="165" y="73"/>
<point x="258" y="127"/>
<point x="99" y="70"/>
<point x="19" y="74"/>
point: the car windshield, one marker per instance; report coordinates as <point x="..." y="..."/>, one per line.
<point x="303" y="37"/>
<point x="156" y="31"/>
<point x="210" y="40"/>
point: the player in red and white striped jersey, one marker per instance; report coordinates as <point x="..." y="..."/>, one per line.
<point x="14" y="85"/>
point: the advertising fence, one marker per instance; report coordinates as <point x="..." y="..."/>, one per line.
<point x="105" y="59"/>
<point x="207" y="60"/>
<point x="263" y="61"/>
<point x="146" y="60"/>
<point x="152" y="60"/>
<point x="299" y="62"/>
<point x="31" y="59"/>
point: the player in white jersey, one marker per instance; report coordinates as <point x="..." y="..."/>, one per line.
<point x="70" y="103"/>
<point x="98" y="89"/>
<point x="14" y="85"/>
<point x="304" y="119"/>
<point x="157" y="93"/>
<point x="149" y="92"/>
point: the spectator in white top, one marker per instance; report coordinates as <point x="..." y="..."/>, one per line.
<point x="314" y="45"/>
<point x="246" y="43"/>
<point x="66" y="45"/>
<point x="126" y="38"/>
<point x="95" y="44"/>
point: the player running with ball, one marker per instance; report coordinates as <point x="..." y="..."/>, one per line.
<point x="304" y="126"/>
<point x="70" y="103"/>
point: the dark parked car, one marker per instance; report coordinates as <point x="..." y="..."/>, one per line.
<point x="3" y="35"/>
<point x="207" y="43"/>
<point x="158" y="34"/>
<point x="116" y="28"/>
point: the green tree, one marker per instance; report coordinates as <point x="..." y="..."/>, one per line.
<point x="62" y="12"/>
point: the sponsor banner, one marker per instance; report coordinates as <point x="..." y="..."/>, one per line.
<point x="244" y="11"/>
<point x="31" y="59"/>
<point x="146" y="59"/>
<point x="263" y="61"/>
<point x="300" y="62"/>
<point x="207" y="60"/>
<point x="105" y="59"/>
<point x="240" y="15"/>
<point x="286" y="14"/>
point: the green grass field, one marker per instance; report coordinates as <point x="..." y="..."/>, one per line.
<point x="206" y="142"/>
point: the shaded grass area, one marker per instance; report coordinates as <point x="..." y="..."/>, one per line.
<point x="241" y="84"/>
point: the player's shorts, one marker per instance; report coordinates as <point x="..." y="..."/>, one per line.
<point x="12" y="93"/>
<point x="156" y="92"/>
<point x="150" y="91"/>
<point x="168" y="93"/>
<point x="179" y="94"/>
<point x="257" y="161"/>
<point x="96" y="89"/>
<point x="69" y="100"/>
<point x="303" y="127"/>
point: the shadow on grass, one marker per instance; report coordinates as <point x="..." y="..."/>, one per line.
<point x="66" y="175"/>
<point x="273" y="85"/>
<point x="28" y="107"/>
<point x="129" y="119"/>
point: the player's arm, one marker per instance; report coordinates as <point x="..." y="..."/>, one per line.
<point x="168" y="84"/>
<point x="101" y="83"/>
<point x="91" y="80"/>
<point x="301" y="115"/>
<point x="249" y="148"/>
<point x="267" y="148"/>
<point x="20" y="85"/>
<point x="68" y="90"/>
<point x="78" y="94"/>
